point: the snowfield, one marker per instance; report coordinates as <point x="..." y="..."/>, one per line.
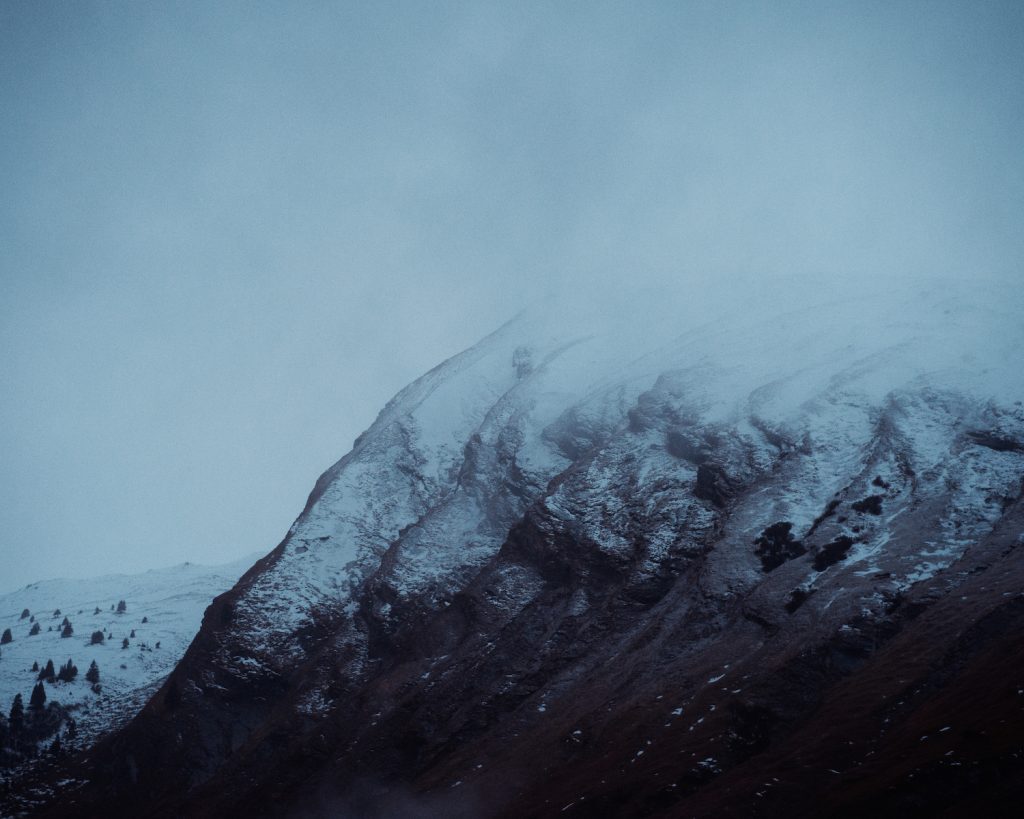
<point x="171" y="600"/>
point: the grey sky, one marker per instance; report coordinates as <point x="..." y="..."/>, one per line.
<point x="230" y="232"/>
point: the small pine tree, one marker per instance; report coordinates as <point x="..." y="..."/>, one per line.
<point x="124" y="643"/>
<point x="7" y="637"/>
<point x="93" y="674"/>
<point x="32" y="632"/>
<point x="122" y="607"/>
<point x="25" y="613"/>
<point x="111" y="606"/>
<point x="56" y="612"/>
<point x="16" y="719"/>
<point x="68" y="671"/>
<point x="32" y="619"/>
<point x="132" y="635"/>
<point x="48" y="673"/>
<point x="67" y="631"/>
<point x="35" y="666"/>
<point x="97" y="637"/>
<point x="38" y="698"/>
<point x="66" y="622"/>
<point x="97" y="610"/>
<point x="145" y="619"/>
<point x="158" y="644"/>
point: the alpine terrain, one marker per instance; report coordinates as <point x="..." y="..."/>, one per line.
<point x="765" y="558"/>
<point x="116" y="638"/>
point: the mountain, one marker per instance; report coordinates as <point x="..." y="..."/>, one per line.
<point x="752" y="558"/>
<point x="161" y="614"/>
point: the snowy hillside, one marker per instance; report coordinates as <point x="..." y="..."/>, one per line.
<point x="163" y="609"/>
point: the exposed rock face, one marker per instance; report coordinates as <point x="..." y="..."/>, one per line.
<point x="539" y="586"/>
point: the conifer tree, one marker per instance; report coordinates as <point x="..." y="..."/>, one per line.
<point x="16" y="718"/>
<point x="7" y="637"/>
<point x="32" y="632"/>
<point x="97" y="637"/>
<point x="67" y="672"/>
<point x="67" y="631"/>
<point x="122" y="607"/>
<point x="48" y="673"/>
<point x="132" y="635"/>
<point x="25" y="613"/>
<point x="35" y="666"/>
<point x="124" y="643"/>
<point x="38" y="699"/>
<point x="93" y="674"/>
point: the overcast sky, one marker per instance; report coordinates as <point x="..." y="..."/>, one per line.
<point x="229" y="233"/>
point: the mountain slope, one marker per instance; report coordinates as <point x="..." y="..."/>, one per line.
<point x="593" y="573"/>
<point x="163" y="610"/>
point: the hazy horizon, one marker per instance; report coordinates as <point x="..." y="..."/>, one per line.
<point x="230" y="234"/>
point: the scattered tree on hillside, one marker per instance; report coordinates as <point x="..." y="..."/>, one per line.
<point x="7" y="637"/>
<point x="122" y="607"/>
<point x="132" y="635"/>
<point x="56" y="612"/>
<point x="48" y="673"/>
<point x="124" y="643"/>
<point x="97" y="637"/>
<point x="68" y="671"/>
<point x="32" y="632"/>
<point x="66" y="622"/>
<point x="97" y="610"/>
<point x="38" y="698"/>
<point x="67" y="631"/>
<point x="35" y="666"/>
<point x="93" y="674"/>
<point x="25" y="613"/>
<point x="16" y="719"/>
<point x="145" y="619"/>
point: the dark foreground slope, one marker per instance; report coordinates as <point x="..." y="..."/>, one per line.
<point x="768" y="572"/>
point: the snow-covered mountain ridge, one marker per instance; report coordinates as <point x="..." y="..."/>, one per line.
<point x="621" y="569"/>
<point x="427" y="467"/>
